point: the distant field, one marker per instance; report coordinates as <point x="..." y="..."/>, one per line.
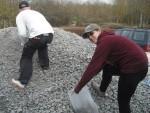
<point x="77" y="30"/>
<point x="106" y="26"/>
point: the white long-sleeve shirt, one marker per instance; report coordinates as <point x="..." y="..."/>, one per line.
<point x="31" y="23"/>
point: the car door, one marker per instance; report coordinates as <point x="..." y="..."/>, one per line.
<point x="139" y="37"/>
<point x="128" y="33"/>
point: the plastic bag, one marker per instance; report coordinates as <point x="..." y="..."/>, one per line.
<point x="147" y="82"/>
<point x="83" y="102"/>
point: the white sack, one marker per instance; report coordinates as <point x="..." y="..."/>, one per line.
<point x="83" y="102"/>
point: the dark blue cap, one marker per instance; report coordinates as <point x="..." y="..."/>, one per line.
<point x="23" y="4"/>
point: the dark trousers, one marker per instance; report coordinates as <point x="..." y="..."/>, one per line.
<point x="39" y="43"/>
<point x="126" y="86"/>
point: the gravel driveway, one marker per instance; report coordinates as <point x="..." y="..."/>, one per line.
<point x="47" y="91"/>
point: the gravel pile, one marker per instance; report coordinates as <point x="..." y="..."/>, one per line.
<point x="47" y="91"/>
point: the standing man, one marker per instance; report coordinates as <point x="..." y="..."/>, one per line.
<point x="115" y="55"/>
<point x="35" y="33"/>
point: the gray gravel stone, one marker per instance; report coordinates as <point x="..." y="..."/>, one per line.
<point x="47" y="91"/>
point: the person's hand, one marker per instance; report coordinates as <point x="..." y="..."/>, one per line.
<point x="22" y="44"/>
<point x="76" y="90"/>
<point x="72" y="92"/>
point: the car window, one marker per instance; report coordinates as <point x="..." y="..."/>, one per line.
<point x="127" y="33"/>
<point x="149" y="37"/>
<point x="118" y="32"/>
<point x="139" y="35"/>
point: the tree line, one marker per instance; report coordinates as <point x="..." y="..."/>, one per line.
<point x="61" y="13"/>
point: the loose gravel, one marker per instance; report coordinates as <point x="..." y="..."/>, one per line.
<point x="47" y="91"/>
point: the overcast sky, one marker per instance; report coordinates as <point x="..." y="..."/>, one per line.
<point x="84" y="1"/>
<point x="81" y="1"/>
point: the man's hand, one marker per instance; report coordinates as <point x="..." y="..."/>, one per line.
<point x="22" y="44"/>
<point x="72" y="92"/>
<point x="76" y="90"/>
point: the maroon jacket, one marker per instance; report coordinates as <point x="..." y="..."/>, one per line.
<point x="128" y="56"/>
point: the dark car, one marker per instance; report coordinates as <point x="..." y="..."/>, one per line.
<point x="139" y="36"/>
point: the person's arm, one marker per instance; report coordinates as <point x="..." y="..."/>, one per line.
<point x="98" y="60"/>
<point x="21" y="27"/>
